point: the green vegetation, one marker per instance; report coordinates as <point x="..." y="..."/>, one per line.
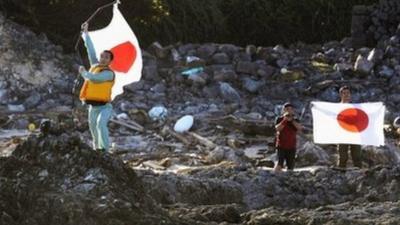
<point x="260" y="22"/>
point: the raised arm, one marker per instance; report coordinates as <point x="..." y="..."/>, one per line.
<point x="89" y="45"/>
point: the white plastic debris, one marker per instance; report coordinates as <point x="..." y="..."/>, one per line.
<point x="184" y="124"/>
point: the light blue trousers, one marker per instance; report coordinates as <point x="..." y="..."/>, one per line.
<point x="98" y="120"/>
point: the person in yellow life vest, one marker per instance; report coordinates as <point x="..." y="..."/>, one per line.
<point x="96" y="92"/>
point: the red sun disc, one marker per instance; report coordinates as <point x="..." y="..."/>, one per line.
<point x="353" y="120"/>
<point x="124" y="57"/>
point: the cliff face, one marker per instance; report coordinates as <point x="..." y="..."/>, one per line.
<point x="32" y="70"/>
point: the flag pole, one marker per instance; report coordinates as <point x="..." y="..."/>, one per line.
<point x="90" y="18"/>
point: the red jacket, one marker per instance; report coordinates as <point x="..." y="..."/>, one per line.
<point x="286" y="138"/>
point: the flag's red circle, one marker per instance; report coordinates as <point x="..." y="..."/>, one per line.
<point x="353" y="120"/>
<point x="124" y="57"/>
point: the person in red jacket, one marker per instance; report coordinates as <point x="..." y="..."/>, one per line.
<point x="286" y="127"/>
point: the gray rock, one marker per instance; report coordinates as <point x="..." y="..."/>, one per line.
<point x="184" y="49"/>
<point x="211" y="91"/>
<point x="158" y="50"/>
<point x="394" y="98"/>
<point x="21" y="124"/>
<point x="310" y="154"/>
<point x="228" y="49"/>
<point x="136" y="86"/>
<point x="159" y="88"/>
<point x="225" y="75"/>
<point x="281" y="63"/>
<point x="33" y="100"/>
<point x="251" y="85"/>
<point x="241" y="57"/>
<point x="251" y="50"/>
<point x="198" y="79"/>
<point x="206" y="51"/>
<point x="266" y="70"/>
<point x="220" y="58"/>
<point x="228" y="93"/>
<point x="216" y="156"/>
<point x="363" y="65"/>
<point x="376" y="55"/>
<point x="386" y="72"/>
<point x="343" y="67"/>
<point x="246" y="67"/>
<point x="4" y="95"/>
<point x="150" y="73"/>
<point x="330" y="95"/>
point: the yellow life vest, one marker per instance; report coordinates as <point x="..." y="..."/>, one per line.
<point x="99" y="92"/>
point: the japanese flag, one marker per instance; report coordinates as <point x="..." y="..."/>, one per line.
<point x="119" y="38"/>
<point x="341" y="123"/>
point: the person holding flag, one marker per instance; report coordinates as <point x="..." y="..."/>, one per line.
<point x="96" y="92"/>
<point x="348" y="125"/>
<point x="343" y="149"/>
<point x="119" y="64"/>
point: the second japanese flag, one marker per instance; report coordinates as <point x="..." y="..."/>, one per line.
<point x="339" y="123"/>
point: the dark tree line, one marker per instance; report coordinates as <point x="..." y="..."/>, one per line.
<point x="241" y="22"/>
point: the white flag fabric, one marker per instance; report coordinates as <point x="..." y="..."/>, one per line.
<point x="343" y="123"/>
<point x="119" y="38"/>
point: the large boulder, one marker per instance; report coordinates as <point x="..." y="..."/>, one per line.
<point x="60" y="180"/>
